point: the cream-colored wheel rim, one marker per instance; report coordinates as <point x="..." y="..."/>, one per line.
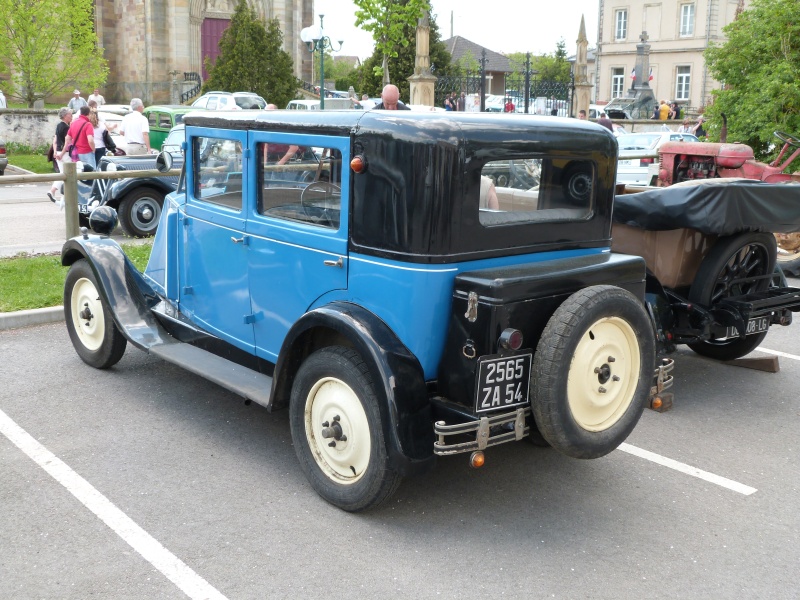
<point x="337" y="431"/>
<point x="603" y="374"/>
<point x="87" y="314"/>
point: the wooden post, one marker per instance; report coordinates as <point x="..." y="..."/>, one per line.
<point x="71" y="199"/>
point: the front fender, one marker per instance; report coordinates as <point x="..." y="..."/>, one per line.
<point x="122" y="187"/>
<point x="125" y="291"/>
<point x="396" y="375"/>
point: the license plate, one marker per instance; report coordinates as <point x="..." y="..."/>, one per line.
<point x="503" y="382"/>
<point x="625" y="163"/>
<point x="83" y="209"/>
<point x="755" y="325"/>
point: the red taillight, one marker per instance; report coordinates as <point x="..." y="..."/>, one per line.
<point x="2" y="149"/>
<point x="643" y="162"/>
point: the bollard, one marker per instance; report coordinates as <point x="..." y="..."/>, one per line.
<point x="71" y="199"/>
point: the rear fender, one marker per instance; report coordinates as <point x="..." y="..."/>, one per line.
<point x="396" y="375"/>
<point x="127" y="294"/>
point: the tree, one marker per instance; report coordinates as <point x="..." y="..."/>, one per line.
<point x="760" y="67"/>
<point x="550" y="66"/>
<point x="251" y="59"/>
<point x="388" y="21"/>
<point x="370" y="80"/>
<point x="48" y="47"/>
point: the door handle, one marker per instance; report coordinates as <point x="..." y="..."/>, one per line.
<point x="242" y="240"/>
<point x="334" y="263"/>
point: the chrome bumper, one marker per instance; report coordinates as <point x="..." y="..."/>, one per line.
<point x="488" y="431"/>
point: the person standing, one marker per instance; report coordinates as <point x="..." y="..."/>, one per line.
<point x="97" y="98"/>
<point x="59" y="141"/>
<point x="663" y="111"/>
<point x="448" y="105"/>
<point x="3" y="100"/>
<point x="461" y="103"/>
<point x="136" y="130"/>
<point x="606" y="122"/>
<point x="582" y="115"/>
<point x="509" y="105"/>
<point x="698" y="129"/>
<point x="99" y="129"/>
<point x="390" y="99"/>
<point x="81" y="134"/>
<point x="76" y="102"/>
<point x="685" y="127"/>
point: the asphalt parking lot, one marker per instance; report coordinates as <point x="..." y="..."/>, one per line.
<point x="146" y="482"/>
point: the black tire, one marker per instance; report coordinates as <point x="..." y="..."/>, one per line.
<point x="733" y="257"/>
<point x="354" y="474"/>
<point x="91" y="327"/>
<point x="592" y="371"/>
<point x="140" y="211"/>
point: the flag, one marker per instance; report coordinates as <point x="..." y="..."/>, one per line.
<point x="633" y="73"/>
<point x="651" y="74"/>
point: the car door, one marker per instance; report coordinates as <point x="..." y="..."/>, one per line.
<point x="214" y="291"/>
<point x="298" y="230"/>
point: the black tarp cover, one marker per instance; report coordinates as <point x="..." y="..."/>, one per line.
<point x="715" y="207"/>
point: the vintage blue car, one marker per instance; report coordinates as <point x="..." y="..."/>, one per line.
<point x="408" y="285"/>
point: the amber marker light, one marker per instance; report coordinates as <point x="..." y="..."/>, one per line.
<point x="358" y="164"/>
<point x="477" y="459"/>
<point x="656" y="403"/>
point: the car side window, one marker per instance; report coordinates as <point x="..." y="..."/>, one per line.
<point x="300" y="184"/>
<point x="212" y="104"/>
<point x="201" y="103"/>
<point x="532" y="189"/>
<point x="218" y="171"/>
<point x="164" y="121"/>
<point x="152" y="119"/>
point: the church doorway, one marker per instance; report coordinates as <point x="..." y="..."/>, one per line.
<point x="210" y="34"/>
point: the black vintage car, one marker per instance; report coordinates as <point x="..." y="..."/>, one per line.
<point x="138" y="201"/>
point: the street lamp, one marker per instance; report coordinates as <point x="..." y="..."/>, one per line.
<point x="315" y="39"/>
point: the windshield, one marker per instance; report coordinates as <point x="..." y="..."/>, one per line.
<point x="255" y="102"/>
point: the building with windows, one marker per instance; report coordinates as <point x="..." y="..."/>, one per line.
<point x="145" y="42"/>
<point x="677" y="31"/>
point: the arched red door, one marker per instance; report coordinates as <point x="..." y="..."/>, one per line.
<point x="210" y="34"/>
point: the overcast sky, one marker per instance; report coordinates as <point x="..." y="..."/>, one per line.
<point x="505" y="26"/>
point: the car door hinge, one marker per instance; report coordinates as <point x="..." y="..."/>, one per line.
<point x="186" y="221"/>
<point x="246" y="153"/>
<point x="188" y="290"/>
<point x="252" y="318"/>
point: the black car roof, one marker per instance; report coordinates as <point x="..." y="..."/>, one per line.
<point x="571" y="134"/>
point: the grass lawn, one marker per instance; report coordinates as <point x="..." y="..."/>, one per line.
<point x="38" y="281"/>
<point x="30" y="159"/>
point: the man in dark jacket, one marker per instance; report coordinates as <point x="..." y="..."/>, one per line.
<point x="605" y="122"/>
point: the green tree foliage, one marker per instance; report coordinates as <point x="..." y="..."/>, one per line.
<point x="552" y="66"/>
<point x="251" y="59"/>
<point x="370" y="80"/>
<point x="48" y="47"/>
<point x="760" y="67"/>
<point x="388" y="21"/>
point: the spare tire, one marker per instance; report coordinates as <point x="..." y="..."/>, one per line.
<point x="592" y="371"/>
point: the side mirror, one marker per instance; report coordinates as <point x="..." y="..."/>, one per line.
<point x="164" y="162"/>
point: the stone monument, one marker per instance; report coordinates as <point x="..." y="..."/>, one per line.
<point x="422" y="82"/>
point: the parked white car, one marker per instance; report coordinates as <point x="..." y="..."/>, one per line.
<point x="230" y="101"/>
<point x="634" y="170"/>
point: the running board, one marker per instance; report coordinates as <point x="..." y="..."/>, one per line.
<point x="249" y="384"/>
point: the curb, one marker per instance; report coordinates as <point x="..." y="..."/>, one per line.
<point x="26" y="318"/>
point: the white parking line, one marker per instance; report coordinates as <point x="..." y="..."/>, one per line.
<point x="778" y="353"/>
<point x="151" y="549"/>
<point x="689" y="470"/>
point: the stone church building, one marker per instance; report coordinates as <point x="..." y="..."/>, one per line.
<point x="151" y="43"/>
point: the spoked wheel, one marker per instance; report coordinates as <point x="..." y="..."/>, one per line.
<point x="337" y="430"/>
<point x="91" y="327"/>
<point x="592" y="371"/>
<point x="789" y="253"/>
<point x="730" y="269"/>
